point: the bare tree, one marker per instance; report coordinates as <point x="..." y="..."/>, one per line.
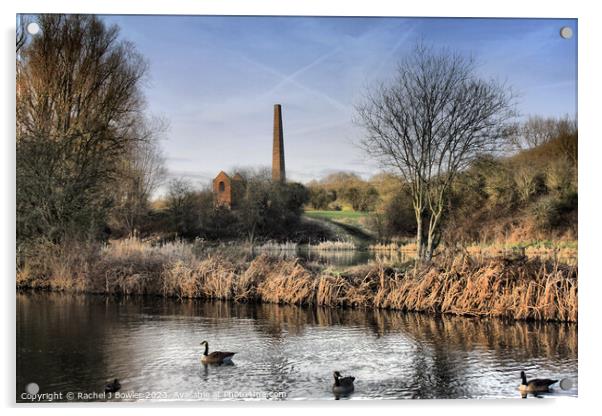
<point x="537" y="130"/>
<point x="21" y="33"/>
<point x="428" y="124"/>
<point x="79" y="107"/>
<point x="568" y="133"/>
<point x="182" y="205"/>
<point x="140" y="176"/>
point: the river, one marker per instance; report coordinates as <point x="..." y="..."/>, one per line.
<point x="77" y="343"/>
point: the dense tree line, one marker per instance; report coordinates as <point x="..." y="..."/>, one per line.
<point x="342" y="190"/>
<point x="266" y="210"/>
<point x="526" y="195"/>
<point x="532" y="194"/>
<point x="529" y="192"/>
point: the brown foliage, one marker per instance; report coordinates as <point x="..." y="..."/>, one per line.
<point x="518" y="288"/>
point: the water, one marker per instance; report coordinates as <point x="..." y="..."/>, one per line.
<point x="77" y="343"/>
<point x="339" y="258"/>
<point x="345" y="258"/>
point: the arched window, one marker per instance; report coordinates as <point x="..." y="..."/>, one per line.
<point x="221" y="186"/>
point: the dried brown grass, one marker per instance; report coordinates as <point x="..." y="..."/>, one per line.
<point x="519" y="288"/>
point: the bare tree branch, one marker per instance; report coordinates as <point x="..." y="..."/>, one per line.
<point x="429" y="123"/>
<point x="80" y="115"/>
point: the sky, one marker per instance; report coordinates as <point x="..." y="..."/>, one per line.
<point x="215" y="80"/>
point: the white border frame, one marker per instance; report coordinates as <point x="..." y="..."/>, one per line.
<point x="589" y="25"/>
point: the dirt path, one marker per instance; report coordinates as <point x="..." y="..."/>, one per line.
<point x="344" y="232"/>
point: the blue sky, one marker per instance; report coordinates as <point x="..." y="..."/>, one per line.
<point x="216" y="79"/>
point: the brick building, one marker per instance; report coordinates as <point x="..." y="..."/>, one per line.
<point x="228" y="190"/>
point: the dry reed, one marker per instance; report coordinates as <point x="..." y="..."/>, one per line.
<point x="519" y="288"/>
<point x="333" y="246"/>
<point x="275" y="246"/>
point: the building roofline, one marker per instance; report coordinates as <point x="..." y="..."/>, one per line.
<point x="220" y="174"/>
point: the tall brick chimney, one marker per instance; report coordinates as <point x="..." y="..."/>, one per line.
<point x="278" y="172"/>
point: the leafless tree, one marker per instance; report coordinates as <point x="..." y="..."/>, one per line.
<point x="140" y="176"/>
<point x="429" y="123"/>
<point x="537" y="130"/>
<point x="79" y="109"/>
<point x="568" y="136"/>
<point x="21" y="33"/>
<point x="182" y="203"/>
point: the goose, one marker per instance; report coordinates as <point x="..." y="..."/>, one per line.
<point x="112" y="387"/>
<point x="342" y="385"/>
<point x="537" y="385"/>
<point x="216" y="357"/>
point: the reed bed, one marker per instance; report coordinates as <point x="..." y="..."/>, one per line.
<point x="517" y="288"/>
<point x="550" y="249"/>
<point x="384" y="247"/>
<point x="275" y="246"/>
<point x="393" y="246"/>
<point x="564" y="250"/>
<point x="333" y="246"/>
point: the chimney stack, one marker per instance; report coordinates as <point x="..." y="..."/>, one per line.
<point x="278" y="172"/>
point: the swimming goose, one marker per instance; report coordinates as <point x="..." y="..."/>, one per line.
<point x="216" y="357"/>
<point x="537" y="385"/>
<point x="342" y="385"/>
<point x="112" y="387"/>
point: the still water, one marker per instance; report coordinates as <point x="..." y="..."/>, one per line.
<point x="77" y="343"/>
<point x="338" y="258"/>
<point x="344" y="258"/>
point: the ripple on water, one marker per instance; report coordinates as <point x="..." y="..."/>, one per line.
<point x="152" y="345"/>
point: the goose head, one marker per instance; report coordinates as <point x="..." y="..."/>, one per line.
<point x="206" y="344"/>
<point x="112" y="387"/>
<point x="337" y="378"/>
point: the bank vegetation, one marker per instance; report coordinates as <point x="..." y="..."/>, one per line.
<point x="514" y="288"/>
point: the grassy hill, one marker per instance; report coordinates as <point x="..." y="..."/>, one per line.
<point x="343" y="225"/>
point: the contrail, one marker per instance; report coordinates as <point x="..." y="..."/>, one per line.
<point x="301" y="70"/>
<point x="387" y="58"/>
<point x="290" y="79"/>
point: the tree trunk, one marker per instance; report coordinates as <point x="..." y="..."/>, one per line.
<point x="428" y="253"/>
<point x="433" y="237"/>
<point x="419" y="240"/>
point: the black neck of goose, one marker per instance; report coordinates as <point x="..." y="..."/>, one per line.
<point x="206" y="349"/>
<point x="337" y="382"/>
<point x="524" y="378"/>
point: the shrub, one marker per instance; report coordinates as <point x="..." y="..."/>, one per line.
<point x="319" y="198"/>
<point x="500" y="188"/>
<point x="559" y="175"/>
<point x="546" y="213"/>
<point x="394" y="217"/>
<point x="529" y="183"/>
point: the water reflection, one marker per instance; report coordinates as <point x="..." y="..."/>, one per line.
<point x="340" y="258"/>
<point x="78" y="343"/>
<point x="345" y="258"/>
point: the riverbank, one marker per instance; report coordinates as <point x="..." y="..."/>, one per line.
<point x="515" y="288"/>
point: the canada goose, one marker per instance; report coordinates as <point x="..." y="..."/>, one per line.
<point x="342" y="385"/>
<point x="537" y="385"/>
<point x="112" y="387"/>
<point x="216" y="357"/>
